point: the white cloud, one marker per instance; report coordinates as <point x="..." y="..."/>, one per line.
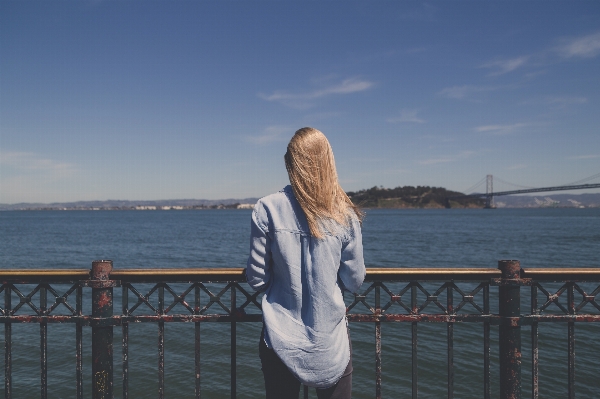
<point x="26" y="175"/>
<point x="584" y="47"/>
<point x="500" y="67"/>
<point x="406" y="115"/>
<point x="500" y="129"/>
<point x="433" y="161"/>
<point x="302" y="100"/>
<point x="29" y="161"/>
<point x="517" y="166"/>
<point x="556" y="101"/>
<point x="589" y="156"/>
<point x="461" y="92"/>
<point x="270" y="134"/>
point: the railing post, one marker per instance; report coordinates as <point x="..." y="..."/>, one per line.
<point x="7" y="343"/>
<point x="510" y="329"/>
<point x="102" y="334"/>
<point x="378" y="341"/>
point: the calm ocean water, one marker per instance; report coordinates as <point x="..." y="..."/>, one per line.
<point x="219" y="238"/>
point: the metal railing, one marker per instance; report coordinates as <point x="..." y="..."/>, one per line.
<point x="404" y="295"/>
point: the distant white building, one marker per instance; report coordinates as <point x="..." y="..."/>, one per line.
<point x="245" y="206"/>
<point x="547" y="201"/>
<point x="145" y="208"/>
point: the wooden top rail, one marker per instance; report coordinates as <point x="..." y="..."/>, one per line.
<point x="237" y="274"/>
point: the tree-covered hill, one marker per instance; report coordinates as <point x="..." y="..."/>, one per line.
<point x="411" y="197"/>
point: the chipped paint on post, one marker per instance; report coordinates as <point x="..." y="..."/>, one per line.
<point x="509" y="296"/>
<point x="102" y="334"/>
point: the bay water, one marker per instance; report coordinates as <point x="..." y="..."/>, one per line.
<point x="557" y="237"/>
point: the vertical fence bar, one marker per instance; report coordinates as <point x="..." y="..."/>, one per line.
<point x="414" y="326"/>
<point x="125" y="340"/>
<point x="102" y="332"/>
<point x="535" y="390"/>
<point x="487" y="387"/>
<point x="44" y="341"/>
<point x="571" y="338"/>
<point x="509" y="294"/>
<point x="79" y="343"/>
<point x="305" y="394"/>
<point x="378" y="342"/>
<point x="7" y="343"/>
<point x="197" y="341"/>
<point x="161" y="342"/>
<point x="450" y="335"/>
<point x="233" y="343"/>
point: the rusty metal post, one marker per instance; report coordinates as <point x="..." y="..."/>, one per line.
<point x="414" y="338"/>
<point x="510" y="329"/>
<point x="378" y="342"/>
<point x="571" y="338"/>
<point x="197" y="340"/>
<point x="102" y="333"/>
<point x="233" y="344"/>
<point x="7" y="343"/>
<point x="44" y="342"/>
<point x="450" y="336"/>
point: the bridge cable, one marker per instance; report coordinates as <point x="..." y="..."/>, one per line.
<point x="584" y="180"/>
<point x="511" y="184"/>
<point x="470" y="189"/>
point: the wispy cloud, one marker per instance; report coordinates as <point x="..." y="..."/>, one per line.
<point x="465" y="91"/>
<point x="517" y="166"/>
<point x="500" y="129"/>
<point x="302" y="100"/>
<point x="447" y="158"/>
<point x="583" y="47"/>
<point x="589" y="156"/>
<point x="270" y="134"/>
<point x="406" y="115"/>
<point x="32" y="162"/>
<point x="500" y="67"/>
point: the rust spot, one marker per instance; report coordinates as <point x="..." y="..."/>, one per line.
<point x="104" y="299"/>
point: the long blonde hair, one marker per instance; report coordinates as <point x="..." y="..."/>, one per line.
<point x="311" y="168"/>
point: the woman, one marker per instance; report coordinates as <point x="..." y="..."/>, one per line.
<point x="306" y="247"/>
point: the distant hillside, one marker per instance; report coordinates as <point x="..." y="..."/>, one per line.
<point x="411" y="197"/>
<point x="549" y="200"/>
<point x="376" y="197"/>
<point x="125" y="204"/>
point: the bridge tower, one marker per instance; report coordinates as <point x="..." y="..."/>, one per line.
<point x="489" y="192"/>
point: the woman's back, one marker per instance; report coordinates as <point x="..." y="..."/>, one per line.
<point x="303" y="306"/>
<point x="305" y="249"/>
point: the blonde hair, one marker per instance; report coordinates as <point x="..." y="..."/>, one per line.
<point x="311" y="168"/>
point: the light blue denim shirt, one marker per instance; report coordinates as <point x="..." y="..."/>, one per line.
<point x="303" y="308"/>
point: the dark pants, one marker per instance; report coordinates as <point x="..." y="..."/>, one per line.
<point x="280" y="383"/>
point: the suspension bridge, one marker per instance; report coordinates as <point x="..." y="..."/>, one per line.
<point x="490" y="194"/>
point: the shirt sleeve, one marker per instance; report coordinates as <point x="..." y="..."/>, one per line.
<point x="258" y="271"/>
<point x="352" y="269"/>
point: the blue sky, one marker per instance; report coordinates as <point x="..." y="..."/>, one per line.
<point x="151" y="100"/>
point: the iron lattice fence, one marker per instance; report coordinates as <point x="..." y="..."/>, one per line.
<point x="412" y="296"/>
